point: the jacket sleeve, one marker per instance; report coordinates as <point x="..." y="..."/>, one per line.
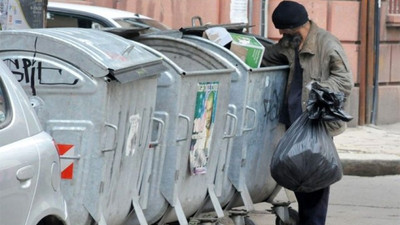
<point x="340" y="79"/>
<point x="273" y="55"/>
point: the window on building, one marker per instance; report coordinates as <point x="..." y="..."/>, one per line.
<point x="394" y="6"/>
<point x="393" y="16"/>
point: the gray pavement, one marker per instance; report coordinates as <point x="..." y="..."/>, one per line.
<point x="354" y="200"/>
<point x="370" y="150"/>
<point x="364" y="151"/>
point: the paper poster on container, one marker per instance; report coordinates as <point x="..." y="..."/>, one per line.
<point x="21" y="14"/>
<point x="3" y="7"/>
<point x="203" y="126"/>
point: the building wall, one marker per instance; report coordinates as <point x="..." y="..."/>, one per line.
<point x="340" y="17"/>
<point x="389" y="67"/>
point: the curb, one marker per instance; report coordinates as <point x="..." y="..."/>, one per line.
<point x="370" y="164"/>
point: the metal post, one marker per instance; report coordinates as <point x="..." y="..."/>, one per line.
<point x="370" y="60"/>
<point x="250" y="16"/>
<point x="376" y="74"/>
<point x="363" y="61"/>
<point x="264" y="18"/>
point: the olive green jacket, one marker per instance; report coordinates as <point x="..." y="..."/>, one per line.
<point x="323" y="60"/>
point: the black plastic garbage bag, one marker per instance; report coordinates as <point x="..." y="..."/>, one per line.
<point x="326" y="105"/>
<point x="306" y="159"/>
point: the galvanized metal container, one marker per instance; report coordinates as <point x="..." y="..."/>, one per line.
<point x="256" y="98"/>
<point x="95" y="94"/>
<point x="176" y="190"/>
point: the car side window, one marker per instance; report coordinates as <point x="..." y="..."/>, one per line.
<point x="63" y="20"/>
<point x="56" y="20"/>
<point x="3" y="104"/>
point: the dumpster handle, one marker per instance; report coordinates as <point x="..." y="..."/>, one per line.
<point x="115" y="128"/>
<point x="187" y="129"/>
<point x="70" y="157"/>
<point x="254" y="121"/>
<point x="194" y="21"/>
<point x="234" y="117"/>
<point x="160" y="131"/>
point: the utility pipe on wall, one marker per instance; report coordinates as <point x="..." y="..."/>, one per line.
<point x="362" y="62"/>
<point x="371" y="59"/>
<point x="264" y="18"/>
<point x="250" y="15"/>
<point x="376" y="69"/>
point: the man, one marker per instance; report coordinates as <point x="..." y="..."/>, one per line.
<point x="313" y="55"/>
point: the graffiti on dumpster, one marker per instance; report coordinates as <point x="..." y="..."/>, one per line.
<point x="33" y="72"/>
<point x="132" y="141"/>
<point x="204" y="116"/>
<point x="271" y="99"/>
<point x="271" y="106"/>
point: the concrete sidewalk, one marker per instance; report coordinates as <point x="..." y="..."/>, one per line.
<point x="370" y="150"/>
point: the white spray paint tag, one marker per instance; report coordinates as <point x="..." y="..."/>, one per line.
<point x="132" y="141"/>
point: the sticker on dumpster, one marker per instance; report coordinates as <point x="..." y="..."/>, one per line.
<point x="67" y="165"/>
<point x="132" y="141"/>
<point x="203" y="126"/>
<point x="21" y="14"/>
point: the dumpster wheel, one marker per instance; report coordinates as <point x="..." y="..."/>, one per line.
<point x="248" y="221"/>
<point x="293" y="218"/>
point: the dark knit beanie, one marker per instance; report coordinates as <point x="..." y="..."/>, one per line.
<point x="288" y="15"/>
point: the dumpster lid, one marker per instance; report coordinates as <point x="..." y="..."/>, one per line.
<point x="188" y="56"/>
<point x="128" y="33"/>
<point x="95" y="52"/>
<point x="231" y="27"/>
<point x="136" y="34"/>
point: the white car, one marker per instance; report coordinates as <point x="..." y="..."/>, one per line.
<point x="85" y="16"/>
<point x="29" y="162"/>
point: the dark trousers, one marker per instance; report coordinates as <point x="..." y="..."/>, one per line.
<point x="313" y="207"/>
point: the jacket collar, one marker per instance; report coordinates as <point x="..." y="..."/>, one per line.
<point x="310" y="45"/>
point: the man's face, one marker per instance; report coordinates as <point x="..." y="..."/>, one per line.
<point x="291" y="38"/>
<point x="289" y="31"/>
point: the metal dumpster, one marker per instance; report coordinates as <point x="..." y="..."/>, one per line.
<point x="192" y="94"/>
<point x="95" y="94"/>
<point x="257" y="97"/>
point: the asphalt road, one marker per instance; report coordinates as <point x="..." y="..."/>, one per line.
<point x="354" y="201"/>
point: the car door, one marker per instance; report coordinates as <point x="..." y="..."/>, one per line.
<point x="19" y="160"/>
